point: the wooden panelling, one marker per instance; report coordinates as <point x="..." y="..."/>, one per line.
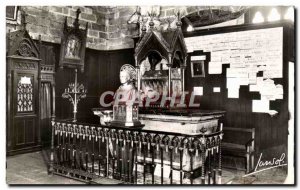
<point x="25" y="130"/>
<point x="19" y="132"/>
<point x="101" y="73"/>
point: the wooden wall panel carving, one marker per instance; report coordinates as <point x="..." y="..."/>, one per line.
<point x="23" y="85"/>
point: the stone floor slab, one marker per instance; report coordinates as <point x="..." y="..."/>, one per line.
<point x="31" y="168"/>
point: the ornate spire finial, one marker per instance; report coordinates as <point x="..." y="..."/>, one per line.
<point x="153" y="14"/>
<point x="151" y="23"/>
<point x="76" y="22"/>
<point x="23" y="19"/>
<point x="144" y="28"/>
<point x="179" y="14"/>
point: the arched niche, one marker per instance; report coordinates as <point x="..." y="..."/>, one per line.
<point x="160" y="58"/>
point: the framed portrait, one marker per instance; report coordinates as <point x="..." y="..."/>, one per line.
<point x="197" y="68"/>
<point x="11" y="13"/>
<point x="73" y="44"/>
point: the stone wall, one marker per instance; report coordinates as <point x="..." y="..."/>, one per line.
<point x="107" y="25"/>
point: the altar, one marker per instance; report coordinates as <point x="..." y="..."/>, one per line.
<point x="184" y="121"/>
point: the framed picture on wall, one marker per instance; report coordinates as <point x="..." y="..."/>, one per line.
<point x="73" y="44"/>
<point x="197" y="68"/>
<point x="11" y="13"/>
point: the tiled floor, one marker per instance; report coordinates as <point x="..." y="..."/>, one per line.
<point x="31" y="168"/>
<point x="272" y="176"/>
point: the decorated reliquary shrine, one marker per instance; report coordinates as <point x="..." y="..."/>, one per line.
<point x="161" y="61"/>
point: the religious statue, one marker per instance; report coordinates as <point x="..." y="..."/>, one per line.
<point x="127" y="92"/>
<point x="73" y="46"/>
<point x="125" y="106"/>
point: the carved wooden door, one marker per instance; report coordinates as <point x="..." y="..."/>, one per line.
<point x="22" y="92"/>
<point x="24" y="129"/>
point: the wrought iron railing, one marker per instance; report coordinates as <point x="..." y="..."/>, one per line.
<point x="88" y="152"/>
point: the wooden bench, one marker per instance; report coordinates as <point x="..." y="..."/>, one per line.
<point x="239" y="142"/>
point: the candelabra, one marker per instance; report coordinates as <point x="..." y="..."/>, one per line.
<point x="74" y="93"/>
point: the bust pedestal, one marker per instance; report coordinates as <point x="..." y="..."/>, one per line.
<point x="126" y="115"/>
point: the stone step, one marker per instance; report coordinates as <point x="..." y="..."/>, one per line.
<point x="105" y="181"/>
